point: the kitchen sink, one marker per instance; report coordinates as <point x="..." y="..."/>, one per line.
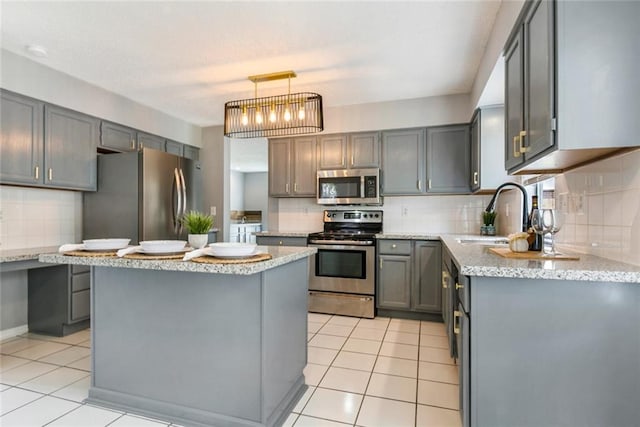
<point x="483" y="240"/>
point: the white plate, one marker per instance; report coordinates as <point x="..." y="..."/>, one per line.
<point x="105" y="244"/>
<point x="231" y="249"/>
<point x="163" y="246"/>
<point x="238" y="256"/>
<point x="162" y="251"/>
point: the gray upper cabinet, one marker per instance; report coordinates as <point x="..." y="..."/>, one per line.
<point x="146" y="140"/>
<point x="332" y="152"/>
<point x="21" y="152"/>
<point x="568" y="91"/>
<point x="403" y="161"/>
<point x="292" y="167"/>
<point x="191" y="152"/>
<point x="279" y="167"/>
<point x="364" y="150"/>
<point x="174" y="147"/>
<point x="448" y="163"/>
<point x="70" y="142"/>
<point x="474" y="130"/>
<point x="349" y="151"/>
<point x="427" y="286"/>
<point x="117" y="137"/>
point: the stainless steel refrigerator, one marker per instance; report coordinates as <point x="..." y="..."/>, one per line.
<point x="141" y="196"/>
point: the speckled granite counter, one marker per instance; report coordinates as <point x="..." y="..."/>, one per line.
<point x="13" y="255"/>
<point x="281" y="255"/>
<point x="476" y="260"/>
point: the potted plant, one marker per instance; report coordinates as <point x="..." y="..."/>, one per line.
<point x="198" y="225"/>
<point x="489" y="219"/>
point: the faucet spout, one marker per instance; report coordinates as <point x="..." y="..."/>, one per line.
<point x="525" y="204"/>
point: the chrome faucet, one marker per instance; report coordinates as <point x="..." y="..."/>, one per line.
<point x="525" y="204"/>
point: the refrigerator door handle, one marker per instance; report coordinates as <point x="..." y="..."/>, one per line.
<point x="184" y="197"/>
<point x="178" y="205"/>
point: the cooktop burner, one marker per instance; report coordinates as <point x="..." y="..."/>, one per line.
<point x="350" y="225"/>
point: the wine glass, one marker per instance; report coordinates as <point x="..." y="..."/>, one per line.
<point x="552" y="222"/>
<point x="540" y="227"/>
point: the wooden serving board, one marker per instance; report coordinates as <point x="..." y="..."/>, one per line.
<point x="213" y="260"/>
<point x="106" y="254"/>
<point x="507" y="253"/>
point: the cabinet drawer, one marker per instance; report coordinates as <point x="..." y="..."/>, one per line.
<point x="76" y="269"/>
<point x="80" y="305"/>
<point x="281" y="241"/>
<point x="394" y="247"/>
<point x="80" y="282"/>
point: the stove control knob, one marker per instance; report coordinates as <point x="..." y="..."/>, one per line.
<point x="377" y="215"/>
<point x="364" y="216"/>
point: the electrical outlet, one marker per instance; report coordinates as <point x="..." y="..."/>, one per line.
<point x="405" y="211"/>
<point x="213" y="210"/>
<point x="507" y="210"/>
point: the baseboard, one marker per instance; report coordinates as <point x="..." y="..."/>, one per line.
<point x="13" y="332"/>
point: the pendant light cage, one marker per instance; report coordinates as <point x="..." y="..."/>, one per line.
<point x="279" y="115"/>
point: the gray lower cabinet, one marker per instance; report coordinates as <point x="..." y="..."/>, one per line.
<point x="70" y="142"/>
<point x="403" y="161"/>
<point x="117" y="137"/>
<point x="448" y="162"/>
<point x="409" y="276"/>
<point x="21" y="151"/>
<point x="292" y="167"/>
<point x="427" y="288"/>
<point x="146" y="140"/>
<point x="281" y="241"/>
<point x="59" y="299"/>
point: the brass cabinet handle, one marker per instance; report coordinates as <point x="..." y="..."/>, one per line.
<point x="50" y="174"/>
<point x="394" y="246"/>
<point x="456" y="315"/>
<point x="352" y="160"/>
<point x="516" y="147"/>
<point x="459" y="286"/>
<point x="522" y="134"/>
<point x="133" y="143"/>
<point x="380" y="264"/>
<point x="295" y="187"/>
<point x="475" y="178"/>
<point x="445" y="278"/>
<point x="280" y="242"/>
<point x="429" y="184"/>
<point x="419" y="184"/>
<point x="286" y="188"/>
<point x="37" y="172"/>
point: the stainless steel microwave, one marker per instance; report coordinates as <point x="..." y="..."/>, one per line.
<point x="349" y="187"/>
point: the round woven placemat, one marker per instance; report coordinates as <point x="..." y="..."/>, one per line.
<point x="152" y="256"/>
<point x="92" y="253"/>
<point x="213" y="260"/>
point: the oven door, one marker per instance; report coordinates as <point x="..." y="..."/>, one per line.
<point x="343" y="268"/>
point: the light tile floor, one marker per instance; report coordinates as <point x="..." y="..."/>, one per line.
<point x="362" y="372"/>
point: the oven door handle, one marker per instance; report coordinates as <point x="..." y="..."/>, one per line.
<point x="330" y="243"/>
<point x="344" y="247"/>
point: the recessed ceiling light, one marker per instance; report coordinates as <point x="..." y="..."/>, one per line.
<point x="37" y="50"/>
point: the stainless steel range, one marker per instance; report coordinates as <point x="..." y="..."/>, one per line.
<point x="342" y="278"/>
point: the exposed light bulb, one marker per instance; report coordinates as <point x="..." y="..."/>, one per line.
<point x="245" y="117"/>
<point x="258" y="117"/>
<point x="287" y="114"/>
<point x="301" y="113"/>
<point x="272" y="114"/>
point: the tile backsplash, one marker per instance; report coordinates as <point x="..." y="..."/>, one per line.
<point x="35" y="217"/>
<point x="601" y="202"/>
<point x="406" y="214"/>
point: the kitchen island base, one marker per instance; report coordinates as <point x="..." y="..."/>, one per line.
<point x="200" y="348"/>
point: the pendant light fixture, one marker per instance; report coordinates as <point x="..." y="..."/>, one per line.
<point x="290" y="114"/>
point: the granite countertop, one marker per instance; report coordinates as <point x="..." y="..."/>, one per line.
<point x="281" y="255"/>
<point x="408" y="236"/>
<point x="477" y="260"/>
<point x="12" y="255"/>
<point x="282" y="234"/>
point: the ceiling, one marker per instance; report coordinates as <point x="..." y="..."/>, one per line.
<point x="188" y="58"/>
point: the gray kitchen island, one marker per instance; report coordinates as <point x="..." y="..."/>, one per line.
<point x="199" y="344"/>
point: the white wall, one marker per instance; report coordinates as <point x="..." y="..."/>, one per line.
<point x="27" y="77"/>
<point x="256" y="194"/>
<point x="236" y="191"/>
